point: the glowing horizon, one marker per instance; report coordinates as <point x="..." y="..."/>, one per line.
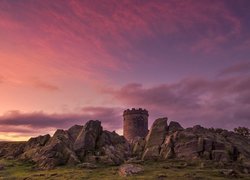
<point x="65" y="62"/>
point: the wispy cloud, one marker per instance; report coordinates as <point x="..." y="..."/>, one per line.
<point x="38" y="83"/>
<point x="243" y="67"/>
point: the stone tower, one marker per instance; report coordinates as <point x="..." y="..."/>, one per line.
<point x="135" y="123"/>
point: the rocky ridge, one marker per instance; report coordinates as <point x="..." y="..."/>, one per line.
<point x="172" y="141"/>
<point x="91" y="144"/>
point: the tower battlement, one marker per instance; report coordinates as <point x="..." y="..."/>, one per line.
<point x="135" y="123"/>
<point x="135" y="111"/>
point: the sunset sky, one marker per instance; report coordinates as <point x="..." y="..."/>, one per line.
<point x="64" y="62"/>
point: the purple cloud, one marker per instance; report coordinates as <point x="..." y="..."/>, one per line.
<point x="219" y="103"/>
<point x="243" y="67"/>
<point x="34" y="123"/>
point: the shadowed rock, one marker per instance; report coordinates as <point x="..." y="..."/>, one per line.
<point x="174" y="126"/>
<point x="88" y="136"/>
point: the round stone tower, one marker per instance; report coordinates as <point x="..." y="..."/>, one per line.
<point x="135" y="123"/>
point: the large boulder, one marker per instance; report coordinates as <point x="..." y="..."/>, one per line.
<point x="154" y="139"/>
<point x="87" y="138"/>
<point x="157" y="133"/>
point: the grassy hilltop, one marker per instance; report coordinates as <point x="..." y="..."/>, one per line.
<point x="172" y="169"/>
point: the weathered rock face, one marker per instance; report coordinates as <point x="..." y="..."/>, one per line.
<point x="74" y="131"/>
<point x="111" y="149"/>
<point x="86" y="140"/>
<point x="138" y="146"/>
<point x="78" y="144"/>
<point x="110" y="138"/>
<point x="57" y="151"/>
<point x="37" y="142"/>
<point x="167" y="148"/>
<point x="155" y="138"/>
<point x="11" y="150"/>
<point x="172" y="141"/>
<point x="157" y="133"/>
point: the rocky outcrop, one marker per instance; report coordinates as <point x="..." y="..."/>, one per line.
<point x="173" y="141"/>
<point x="11" y="150"/>
<point x="90" y="144"/>
<point x="155" y="138"/>
<point x="157" y="133"/>
<point x="37" y="142"/>
<point x="87" y="138"/>
<point x="77" y="145"/>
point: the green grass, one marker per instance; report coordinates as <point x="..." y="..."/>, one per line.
<point x="178" y="170"/>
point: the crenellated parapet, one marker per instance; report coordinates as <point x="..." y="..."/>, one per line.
<point x="135" y="111"/>
<point x="135" y="123"/>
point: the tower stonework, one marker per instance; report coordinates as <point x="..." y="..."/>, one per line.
<point x="135" y="123"/>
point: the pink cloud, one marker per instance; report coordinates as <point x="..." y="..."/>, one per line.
<point x="84" y="38"/>
<point x="38" y="83"/>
